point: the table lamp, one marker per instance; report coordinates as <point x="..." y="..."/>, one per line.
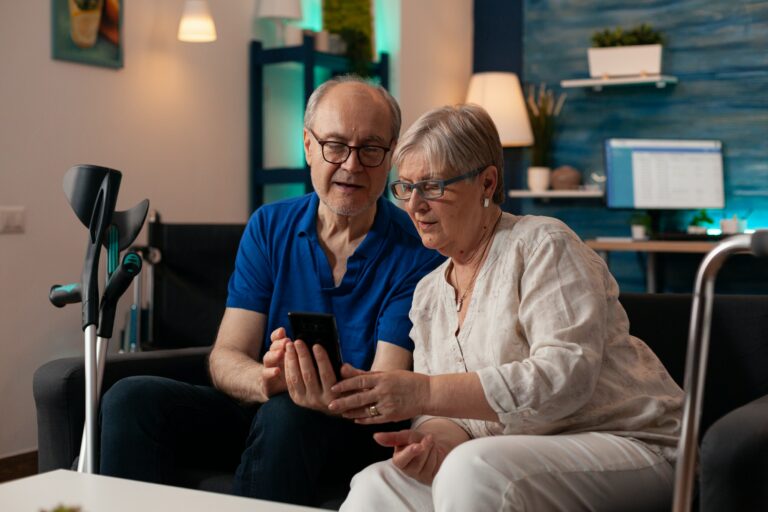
<point x="196" y="24"/>
<point x="280" y="11"/>
<point x="500" y="94"/>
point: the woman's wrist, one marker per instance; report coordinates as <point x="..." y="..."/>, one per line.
<point x="427" y="400"/>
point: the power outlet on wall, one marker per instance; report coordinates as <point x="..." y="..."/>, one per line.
<point x="12" y="219"/>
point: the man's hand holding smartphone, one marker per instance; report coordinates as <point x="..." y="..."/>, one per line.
<point x="309" y="369"/>
<point x="309" y="386"/>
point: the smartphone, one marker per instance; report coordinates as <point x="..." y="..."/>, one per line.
<point x="319" y="328"/>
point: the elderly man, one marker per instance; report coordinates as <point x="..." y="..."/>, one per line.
<point x="343" y="250"/>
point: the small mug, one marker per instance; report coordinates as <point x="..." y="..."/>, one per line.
<point x="730" y="226"/>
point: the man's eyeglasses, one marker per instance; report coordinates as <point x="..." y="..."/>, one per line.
<point x="337" y="152"/>
<point x="428" y="189"/>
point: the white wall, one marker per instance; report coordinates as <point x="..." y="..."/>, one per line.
<point x="435" y="61"/>
<point x="174" y="120"/>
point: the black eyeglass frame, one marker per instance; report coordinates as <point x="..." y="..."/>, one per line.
<point x="419" y="185"/>
<point x="349" y="151"/>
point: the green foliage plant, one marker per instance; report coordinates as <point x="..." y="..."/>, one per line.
<point x="701" y="218"/>
<point x="641" y="34"/>
<point x="641" y="219"/>
<point x="353" y="21"/>
<point x="543" y="108"/>
<point x="64" y="508"/>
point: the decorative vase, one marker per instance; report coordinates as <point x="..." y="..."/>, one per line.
<point x="565" y="177"/>
<point x="638" y="60"/>
<point x="322" y="41"/>
<point x="538" y="178"/>
<point x="84" y="23"/>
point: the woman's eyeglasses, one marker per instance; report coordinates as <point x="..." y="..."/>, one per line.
<point x="428" y="189"/>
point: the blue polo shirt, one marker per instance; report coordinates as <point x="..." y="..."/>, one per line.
<point x="281" y="267"/>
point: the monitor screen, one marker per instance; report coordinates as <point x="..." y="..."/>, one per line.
<point x="664" y="174"/>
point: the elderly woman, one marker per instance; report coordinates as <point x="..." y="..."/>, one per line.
<point x="529" y="392"/>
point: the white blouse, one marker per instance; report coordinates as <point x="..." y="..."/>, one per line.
<point x="549" y="340"/>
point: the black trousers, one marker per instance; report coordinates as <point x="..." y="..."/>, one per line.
<point x="151" y="427"/>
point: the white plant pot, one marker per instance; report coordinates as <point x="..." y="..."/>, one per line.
<point x="639" y="232"/>
<point x="538" y="178"/>
<point x="644" y="59"/>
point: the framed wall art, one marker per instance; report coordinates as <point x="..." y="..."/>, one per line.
<point x="88" y="31"/>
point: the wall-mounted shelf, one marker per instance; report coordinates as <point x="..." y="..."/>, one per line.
<point x="555" y="194"/>
<point x="597" y="84"/>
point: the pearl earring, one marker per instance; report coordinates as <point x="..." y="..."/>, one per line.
<point x="486" y="202"/>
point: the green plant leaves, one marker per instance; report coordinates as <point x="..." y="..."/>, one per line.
<point x="641" y="34"/>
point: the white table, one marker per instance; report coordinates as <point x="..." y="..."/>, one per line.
<point x="96" y="493"/>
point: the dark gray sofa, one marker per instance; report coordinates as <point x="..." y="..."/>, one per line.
<point x="734" y="452"/>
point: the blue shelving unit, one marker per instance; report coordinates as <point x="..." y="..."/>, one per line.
<point x="310" y="59"/>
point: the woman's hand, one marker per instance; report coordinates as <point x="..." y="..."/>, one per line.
<point x="416" y="453"/>
<point x="309" y="387"/>
<point x="380" y="397"/>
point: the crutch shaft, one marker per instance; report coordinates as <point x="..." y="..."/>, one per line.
<point x="102" y="345"/>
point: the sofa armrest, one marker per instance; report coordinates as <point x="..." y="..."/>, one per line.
<point x="59" y="391"/>
<point x="734" y="460"/>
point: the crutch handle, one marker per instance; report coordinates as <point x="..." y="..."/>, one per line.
<point x="61" y="295"/>
<point x="760" y="243"/>
<point x="118" y="283"/>
<point x="122" y="277"/>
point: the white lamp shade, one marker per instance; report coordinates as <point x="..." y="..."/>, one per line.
<point x="196" y="24"/>
<point x="280" y="9"/>
<point x="501" y="96"/>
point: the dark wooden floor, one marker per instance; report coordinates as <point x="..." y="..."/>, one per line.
<point x="18" y="466"/>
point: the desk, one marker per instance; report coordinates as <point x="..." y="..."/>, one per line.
<point x="650" y="247"/>
<point x="96" y="493"/>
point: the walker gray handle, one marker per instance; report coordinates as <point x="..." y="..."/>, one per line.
<point x="760" y="243"/>
<point x="696" y="357"/>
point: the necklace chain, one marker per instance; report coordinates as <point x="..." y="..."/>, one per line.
<point x="471" y="285"/>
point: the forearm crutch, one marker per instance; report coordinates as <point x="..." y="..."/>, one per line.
<point x="697" y="354"/>
<point x="92" y="193"/>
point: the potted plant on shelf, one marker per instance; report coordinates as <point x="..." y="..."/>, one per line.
<point x="543" y="108"/>
<point x="641" y="226"/>
<point x="698" y="224"/>
<point x="619" y="52"/>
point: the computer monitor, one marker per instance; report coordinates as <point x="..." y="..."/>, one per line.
<point x="664" y="174"/>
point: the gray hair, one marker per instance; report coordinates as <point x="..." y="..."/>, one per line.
<point x="454" y="140"/>
<point x="322" y="90"/>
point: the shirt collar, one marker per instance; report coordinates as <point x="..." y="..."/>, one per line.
<point x="307" y="225"/>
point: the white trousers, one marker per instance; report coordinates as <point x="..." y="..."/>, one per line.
<point x="590" y="471"/>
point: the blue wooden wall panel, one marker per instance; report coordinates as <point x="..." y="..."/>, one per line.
<point x="719" y="52"/>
